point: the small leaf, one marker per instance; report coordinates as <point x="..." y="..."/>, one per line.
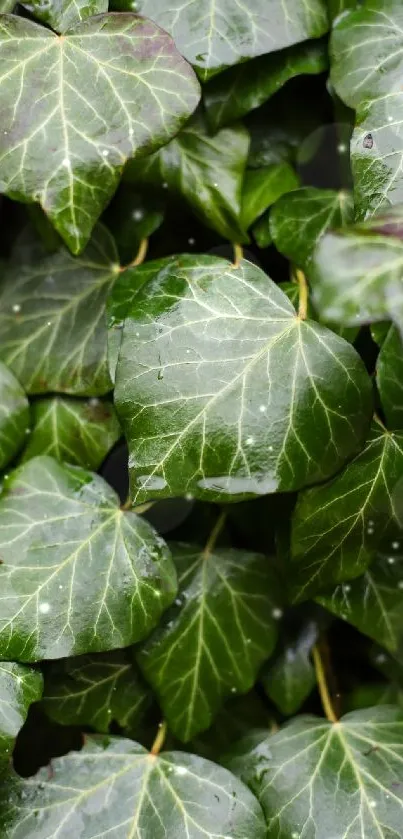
<point x="115" y="787"/>
<point x="95" y="690"/>
<point x="75" y="108"/>
<point x="62" y="15"/>
<point x="324" y="779"/>
<point x="71" y="430"/>
<point x="289" y="678"/>
<point x="19" y="687"/>
<point x="14" y="416"/>
<point x="132" y="216"/>
<point x="299" y="219"/>
<point x="214" y="377"/>
<point x="338" y="527"/>
<point x="233" y="94"/>
<point x="389" y="378"/>
<point x="78" y="574"/>
<point x="53" y="331"/>
<point x="213" y="641"/>
<point x="262" y="187"/>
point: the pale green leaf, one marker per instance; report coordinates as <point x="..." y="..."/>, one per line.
<point x="62" y="15"/>
<point x="14" y="416"/>
<point x="20" y="686"/>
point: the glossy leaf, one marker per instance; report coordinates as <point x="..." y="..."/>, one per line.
<point x="389" y="378"/>
<point x="62" y="15"/>
<point x="262" y="187"/>
<point x="204" y="352"/>
<point x="299" y="219"/>
<point x="96" y="690"/>
<point x="71" y="430"/>
<point x="53" y="331"/>
<point x="338" y="527"/>
<point x="114" y="786"/>
<point x="289" y="678"/>
<point x="14" y="416"/>
<point x="206" y="171"/>
<point x="328" y="780"/>
<point x="214" y="639"/>
<point x="78" y="575"/>
<point x="233" y="94"/>
<point x="19" y="687"/>
<point x="63" y="142"/>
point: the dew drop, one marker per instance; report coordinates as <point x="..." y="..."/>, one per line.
<point x="165" y="185"/>
<point x="94" y="402"/>
<point x="395" y="546"/>
<point x="400" y="584"/>
<point x="391" y="560"/>
<point x="137" y="215"/>
<point x="277" y="613"/>
<point x="233" y="690"/>
<point x="181" y="770"/>
<point x="381" y="658"/>
<point x="105" y="153"/>
<point x="191" y="241"/>
<point x="66" y="162"/>
<point x="372" y="803"/>
<point x="342" y="148"/>
<point x="189" y="496"/>
<point x="250" y="441"/>
<point x="16" y="307"/>
<point x="347" y="588"/>
<point x="262" y="408"/>
<point x="44" y="608"/>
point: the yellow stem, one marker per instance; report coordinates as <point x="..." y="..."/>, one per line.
<point x="379" y="422"/>
<point x="127" y="505"/>
<point x="214" y="535"/>
<point x="139" y="258"/>
<point x="142" y="508"/>
<point x="303" y="294"/>
<point x="159" y="740"/>
<point x="238" y="256"/>
<point x="322" y="686"/>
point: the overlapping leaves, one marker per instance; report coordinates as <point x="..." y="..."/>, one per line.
<point x="19" y="687"/>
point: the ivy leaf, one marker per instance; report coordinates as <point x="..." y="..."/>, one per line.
<point x="299" y="219"/>
<point x="132" y="216"/>
<point x="330" y="779"/>
<point x="221" y="34"/>
<point x="79" y="432"/>
<point x="14" y="416"/>
<point x="338" y="527"/>
<point x="62" y="15"/>
<point x="19" y="687"/>
<point x="262" y="187"/>
<point x="289" y="678"/>
<point x="214" y="639"/>
<point x="233" y="94"/>
<point x="373" y="602"/>
<point x="205" y="353"/>
<point x="53" y="332"/>
<point x="95" y="690"/>
<point x="206" y="171"/>
<point x="64" y="144"/>
<point x="78" y="574"/>
<point x="194" y="797"/>
<point x="389" y="378"/>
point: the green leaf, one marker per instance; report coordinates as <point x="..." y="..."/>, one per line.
<point x="262" y="187"/>
<point x="373" y="603"/>
<point x="132" y="216"/>
<point x="53" y="331"/>
<point x="379" y="331"/>
<point x="78" y="574"/>
<point x="214" y="639"/>
<point x="115" y="787"/>
<point x="19" y="687"/>
<point x="289" y="678"/>
<point x="14" y="416"/>
<point x="233" y="94"/>
<point x="336" y="7"/>
<point x="79" y="432"/>
<point x="206" y="171"/>
<point x="216" y="379"/>
<point x="75" y="108"/>
<point x="315" y="778"/>
<point x="7" y="6"/>
<point x="96" y="690"/>
<point x="299" y="219"/>
<point x="338" y="527"/>
<point x="219" y="34"/>
<point x="261" y="231"/>
<point x="62" y="15"/>
<point x="236" y="718"/>
<point x="389" y="378"/>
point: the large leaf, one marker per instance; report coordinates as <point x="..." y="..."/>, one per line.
<point x="14" y="416"/>
<point x="367" y="49"/>
<point x="96" y="690"/>
<point x="300" y="218"/>
<point x="206" y="171"/>
<point x="215" y="35"/>
<point x="224" y="392"/>
<point x="213" y="641"/>
<point x="62" y="15"/>
<point x="53" y="331"/>
<point x="19" y="687"/>
<point x="78" y="574"/>
<point x="322" y="780"/>
<point x="114" y="787"/>
<point x="241" y="89"/>
<point x="289" y="678"/>
<point x="262" y="187"/>
<point x="389" y="378"/>
<point x="79" y="432"/>
<point x="337" y="528"/>
<point x="75" y="108"/>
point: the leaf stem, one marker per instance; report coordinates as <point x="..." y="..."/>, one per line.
<point x="238" y="255"/>
<point x="139" y="258"/>
<point x="379" y="422"/>
<point x="127" y="505"/>
<point x="303" y="294"/>
<point x="322" y="685"/>
<point x="160" y="739"/>
<point x="214" y="535"/>
<point x="142" y="508"/>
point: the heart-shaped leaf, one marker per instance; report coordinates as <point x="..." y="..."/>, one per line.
<point x="96" y="690"/>
<point x="19" y="687"/>
<point x="79" y="432"/>
<point x="14" y="416"/>
<point x="338" y="527"/>
<point x="75" y="107"/>
<point x="215" y="381"/>
<point x="78" y="575"/>
<point x="213" y="641"/>
<point x="389" y="378"/>
<point x="289" y="678"/>
<point x="115" y="787"/>
<point x="315" y="778"/>
<point x="62" y="15"/>
<point x="221" y="33"/>
<point x="262" y="187"/>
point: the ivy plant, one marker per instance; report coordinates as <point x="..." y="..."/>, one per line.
<point x="201" y="419"/>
